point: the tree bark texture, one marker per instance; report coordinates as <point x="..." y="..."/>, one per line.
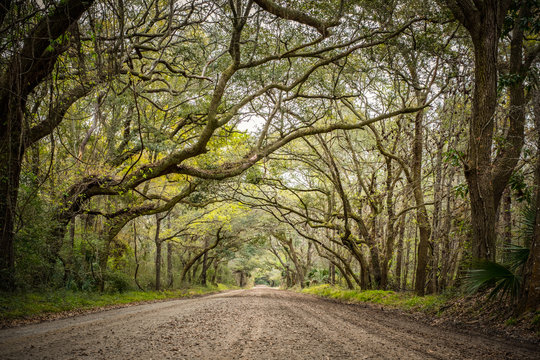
<point x="170" y="278"/>
<point x="158" y="243"/>
<point x="27" y="69"/>
<point x="486" y="178"/>
<point x="422" y="218"/>
<point x="530" y="299"/>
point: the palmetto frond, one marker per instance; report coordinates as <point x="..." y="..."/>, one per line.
<point x="489" y="274"/>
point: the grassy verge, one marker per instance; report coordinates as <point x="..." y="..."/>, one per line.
<point x="15" y="306"/>
<point x="473" y="312"/>
<point x="401" y="300"/>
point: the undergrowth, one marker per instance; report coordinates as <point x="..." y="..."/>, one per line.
<point x="402" y="300"/>
<point x="28" y="305"/>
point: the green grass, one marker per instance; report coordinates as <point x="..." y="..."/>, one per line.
<point x="28" y="305"/>
<point x="402" y="300"/>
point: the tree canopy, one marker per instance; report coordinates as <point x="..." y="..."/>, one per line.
<point x="380" y="144"/>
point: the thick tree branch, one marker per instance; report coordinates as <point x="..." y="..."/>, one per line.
<point x="296" y="15"/>
<point x="57" y="113"/>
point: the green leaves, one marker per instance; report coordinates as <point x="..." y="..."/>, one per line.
<point x="516" y="257"/>
<point x="453" y="157"/>
<point x="254" y="175"/>
<point x="504" y="279"/>
<point x="507" y="80"/>
<point x="489" y="274"/>
<point x="461" y="190"/>
<point x="520" y="188"/>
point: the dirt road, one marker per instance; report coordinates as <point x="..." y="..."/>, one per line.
<point x="260" y="323"/>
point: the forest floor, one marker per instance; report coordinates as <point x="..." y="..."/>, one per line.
<point x="260" y="323"/>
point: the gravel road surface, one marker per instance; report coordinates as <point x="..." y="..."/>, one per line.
<point x="260" y="323"/>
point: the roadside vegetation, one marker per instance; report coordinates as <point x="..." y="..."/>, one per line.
<point x="30" y="305"/>
<point x="474" y="311"/>
<point x="401" y="300"/>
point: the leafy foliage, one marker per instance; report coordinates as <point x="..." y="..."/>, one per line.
<point x="520" y="188"/>
<point x="405" y="301"/>
<point x="527" y="222"/>
<point x="516" y="257"/>
<point x="491" y="275"/>
<point x="319" y="276"/>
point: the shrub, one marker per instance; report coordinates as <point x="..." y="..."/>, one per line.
<point x="118" y="282"/>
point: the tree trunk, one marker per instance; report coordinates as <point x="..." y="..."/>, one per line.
<point x="345" y="276"/>
<point x="415" y="258"/>
<point x="241" y="279"/>
<point x="26" y="70"/>
<point x="445" y="238"/>
<point x="204" y="264"/>
<point x="103" y="260"/>
<point x="530" y="299"/>
<point x="407" y="261"/>
<point x="532" y="284"/>
<point x="422" y="256"/>
<point x="436" y="218"/>
<point x="158" y="243"/>
<point x="158" y="265"/>
<point x="487" y="180"/>
<point x="297" y="265"/>
<point x="390" y="228"/>
<point x="332" y="273"/>
<point x="136" y="257"/>
<point x="531" y="289"/>
<point x="11" y="151"/>
<point x="507" y="216"/>
<point x="194" y="269"/>
<point x="170" y="279"/>
<point x="215" y="274"/>
<point x="68" y="273"/>
<point x="364" y="268"/>
<point x="186" y="275"/>
<point x="373" y="252"/>
<point x="399" y="256"/>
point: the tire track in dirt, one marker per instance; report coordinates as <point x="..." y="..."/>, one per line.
<point x="260" y="323"/>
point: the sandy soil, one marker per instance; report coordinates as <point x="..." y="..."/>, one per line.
<point x="261" y="323"/>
